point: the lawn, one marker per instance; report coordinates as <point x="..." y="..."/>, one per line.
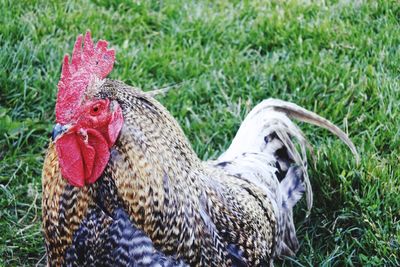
<point x="340" y="59"/>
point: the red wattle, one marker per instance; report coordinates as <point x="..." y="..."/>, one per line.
<point x="70" y="159"/>
<point x="82" y="162"/>
<point x="88" y="154"/>
<point x="102" y="155"/>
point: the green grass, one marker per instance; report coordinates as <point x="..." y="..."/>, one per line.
<point x="340" y="59"/>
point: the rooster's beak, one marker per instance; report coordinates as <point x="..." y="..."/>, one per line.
<point x="58" y="129"/>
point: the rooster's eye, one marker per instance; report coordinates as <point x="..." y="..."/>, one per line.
<point x="95" y="109"/>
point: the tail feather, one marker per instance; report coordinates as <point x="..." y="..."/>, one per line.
<point x="271" y="151"/>
<point x="271" y="117"/>
<point x="292" y="187"/>
<point x="294" y="111"/>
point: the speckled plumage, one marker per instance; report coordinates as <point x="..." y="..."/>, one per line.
<point x="154" y="186"/>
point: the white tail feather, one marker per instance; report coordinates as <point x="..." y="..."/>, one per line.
<point x="302" y="114"/>
<point x="272" y="116"/>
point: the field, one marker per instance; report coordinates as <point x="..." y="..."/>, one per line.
<point x="340" y="59"/>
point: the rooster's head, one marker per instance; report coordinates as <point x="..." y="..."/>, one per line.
<point x="87" y="126"/>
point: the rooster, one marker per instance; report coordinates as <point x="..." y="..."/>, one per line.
<point x="123" y="187"/>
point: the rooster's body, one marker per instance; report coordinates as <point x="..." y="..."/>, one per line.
<point x="154" y="203"/>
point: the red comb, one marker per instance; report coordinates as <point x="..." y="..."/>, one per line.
<point x="86" y="64"/>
